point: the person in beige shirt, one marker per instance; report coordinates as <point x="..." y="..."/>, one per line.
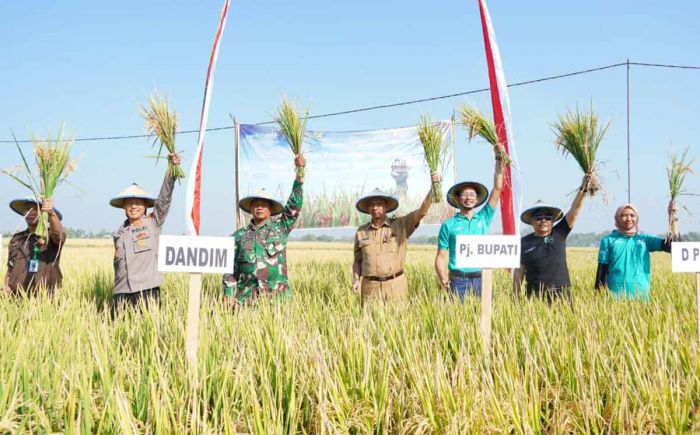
<point x="380" y="247"/>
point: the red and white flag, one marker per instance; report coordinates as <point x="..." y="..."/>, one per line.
<point x="194" y="181"/>
<point x="511" y="201"/>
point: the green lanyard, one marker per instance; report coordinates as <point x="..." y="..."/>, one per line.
<point x="35" y="250"/>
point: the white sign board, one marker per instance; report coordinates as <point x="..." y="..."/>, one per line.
<point x="685" y="256"/>
<point x="195" y="254"/>
<point x="488" y="252"/>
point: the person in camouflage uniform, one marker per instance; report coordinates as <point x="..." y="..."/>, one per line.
<point x="260" y="264"/>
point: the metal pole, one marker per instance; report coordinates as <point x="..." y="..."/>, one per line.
<point x="453" y="134"/>
<point x="629" y="178"/>
<point x="236" y="132"/>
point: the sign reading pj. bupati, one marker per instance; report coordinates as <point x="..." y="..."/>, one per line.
<point x="194" y="254"/>
<point x="488" y="252"/>
<point x="685" y="256"/>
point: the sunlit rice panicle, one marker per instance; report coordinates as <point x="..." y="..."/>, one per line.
<point x="676" y="170"/>
<point x="292" y="124"/>
<point x="161" y="124"/>
<point x="580" y="135"/>
<point x="430" y="134"/>
<point x="478" y="125"/>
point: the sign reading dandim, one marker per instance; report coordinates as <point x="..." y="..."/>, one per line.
<point x="488" y="252"/>
<point x="195" y="254"/>
<point x="685" y="256"/>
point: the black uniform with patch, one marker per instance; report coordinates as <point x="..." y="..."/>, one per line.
<point x="544" y="259"/>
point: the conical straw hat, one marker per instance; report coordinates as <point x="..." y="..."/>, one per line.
<point x="276" y="206"/>
<point x="132" y="192"/>
<point x="391" y="202"/>
<point x="539" y="206"/>
<point x="22" y="205"/>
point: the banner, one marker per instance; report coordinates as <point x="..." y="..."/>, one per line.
<point x="341" y="168"/>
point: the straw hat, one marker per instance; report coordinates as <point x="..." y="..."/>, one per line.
<point x="391" y="202"/>
<point x="132" y="192"/>
<point x="22" y="205"/>
<point x="539" y="207"/>
<point x="276" y="206"/>
<point x="482" y="192"/>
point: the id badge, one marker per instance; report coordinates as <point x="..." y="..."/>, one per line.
<point x="33" y="266"/>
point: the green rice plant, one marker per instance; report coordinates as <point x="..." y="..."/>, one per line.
<point x="161" y="124"/>
<point x="292" y="125"/>
<point x="676" y="170"/>
<point x="434" y="146"/>
<point x="53" y="166"/>
<point x="579" y="134"/>
<point x="477" y="125"/>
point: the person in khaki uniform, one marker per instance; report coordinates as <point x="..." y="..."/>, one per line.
<point x="33" y="263"/>
<point x="136" y="276"/>
<point x="380" y="247"/>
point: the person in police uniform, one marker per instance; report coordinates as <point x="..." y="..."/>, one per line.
<point x="136" y="276"/>
<point x="380" y="246"/>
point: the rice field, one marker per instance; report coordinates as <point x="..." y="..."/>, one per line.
<point x="319" y="364"/>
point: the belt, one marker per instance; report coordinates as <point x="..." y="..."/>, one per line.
<point x="458" y="274"/>
<point x="384" y="278"/>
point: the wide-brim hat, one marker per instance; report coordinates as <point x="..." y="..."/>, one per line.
<point x="391" y="202"/>
<point x="539" y="207"/>
<point x="276" y="206"/>
<point x="22" y="205"/>
<point x="482" y="192"/>
<point x="132" y="192"/>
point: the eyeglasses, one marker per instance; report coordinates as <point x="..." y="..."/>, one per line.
<point x="547" y="218"/>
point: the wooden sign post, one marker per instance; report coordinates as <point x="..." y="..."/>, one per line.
<point x="192" y="328"/>
<point x="195" y="255"/>
<point x="487" y="253"/>
<point x="685" y="257"/>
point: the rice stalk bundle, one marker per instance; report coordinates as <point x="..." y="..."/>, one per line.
<point x="580" y="135"/>
<point x="53" y="166"/>
<point x="161" y="124"/>
<point x="678" y="168"/>
<point x="434" y="147"/>
<point x="478" y="125"/>
<point x="292" y="125"/>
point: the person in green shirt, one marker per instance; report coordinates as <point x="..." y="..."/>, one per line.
<point x="260" y="263"/>
<point x="467" y="196"/>
<point x="624" y="264"/>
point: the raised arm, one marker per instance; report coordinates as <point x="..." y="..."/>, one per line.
<point x="497" y="183"/>
<point x="577" y="203"/>
<point x="425" y="205"/>
<point x="292" y="208"/>
<point x="162" y="205"/>
<point x="56" y="233"/>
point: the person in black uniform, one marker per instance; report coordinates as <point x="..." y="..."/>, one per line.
<point x="543" y="252"/>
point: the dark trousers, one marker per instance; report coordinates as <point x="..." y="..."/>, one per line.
<point x="144" y="298"/>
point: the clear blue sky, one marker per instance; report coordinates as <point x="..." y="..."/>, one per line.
<point x="90" y="64"/>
